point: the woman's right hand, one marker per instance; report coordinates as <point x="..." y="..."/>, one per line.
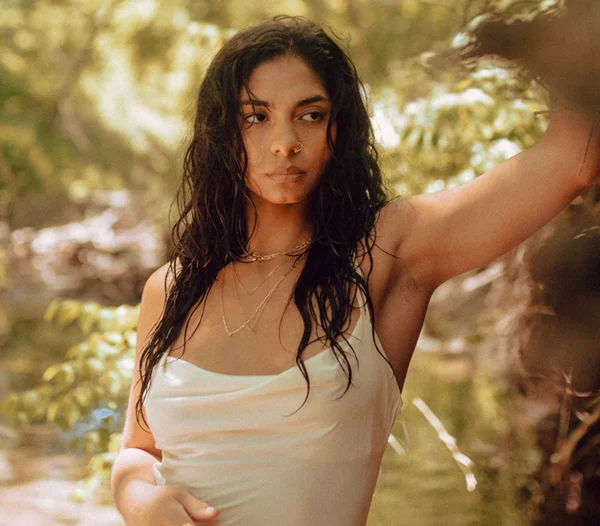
<point x="171" y="506"/>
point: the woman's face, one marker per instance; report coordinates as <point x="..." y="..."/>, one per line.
<point x="292" y="108"/>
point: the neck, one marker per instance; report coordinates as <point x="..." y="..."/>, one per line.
<point x="278" y="227"/>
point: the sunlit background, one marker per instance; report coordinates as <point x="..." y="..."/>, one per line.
<point x="96" y="105"/>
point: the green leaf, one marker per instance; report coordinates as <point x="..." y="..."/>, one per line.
<point x="107" y="320"/>
<point x="85" y="395"/>
<point x="114" y="443"/>
<point x="89" y="316"/>
<point x="78" y="351"/>
<point x="51" y="372"/>
<point x="131" y="339"/>
<point x="114" y="384"/>
<point x="51" y="310"/>
<point x="114" y="338"/>
<point x="53" y="410"/>
<point x="70" y="412"/>
<point x="92" y="442"/>
<point x="64" y="377"/>
<point x="104" y="350"/>
<point x="127" y="316"/>
<point x="95" y="368"/>
<point x="69" y="311"/>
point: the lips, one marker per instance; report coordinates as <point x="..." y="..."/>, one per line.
<point x="289" y="171"/>
<point x="292" y="177"/>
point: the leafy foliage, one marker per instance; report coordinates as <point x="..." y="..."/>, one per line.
<point x="462" y="129"/>
<point x="86" y="392"/>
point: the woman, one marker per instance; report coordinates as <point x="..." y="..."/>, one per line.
<point x="307" y="289"/>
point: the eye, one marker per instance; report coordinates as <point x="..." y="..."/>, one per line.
<point x="255" y="118"/>
<point x="316" y="116"/>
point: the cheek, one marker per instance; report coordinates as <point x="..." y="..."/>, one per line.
<point x="256" y="162"/>
<point x="327" y="151"/>
<point x="254" y="151"/>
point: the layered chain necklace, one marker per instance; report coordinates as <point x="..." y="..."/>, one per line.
<point x="251" y="256"/>
<point x="237" y="278"/>
<point x="251" y="322"/>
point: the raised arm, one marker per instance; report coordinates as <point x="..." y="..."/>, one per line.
<point x="444" y="234"/>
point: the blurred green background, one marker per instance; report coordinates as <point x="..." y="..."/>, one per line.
<point x="96" y="106"/>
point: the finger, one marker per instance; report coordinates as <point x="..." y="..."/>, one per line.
<point x="196" y="509"/>
<point x="206" y="515"/>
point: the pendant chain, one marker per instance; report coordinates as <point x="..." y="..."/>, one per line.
<point x="258" y="311"/>
<point x="237" y="278"/>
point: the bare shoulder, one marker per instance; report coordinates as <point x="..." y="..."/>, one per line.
<point x="159" y="282"/>
<point x="393" y="222"/>
<point x="155" y="293"/>
<point x="153" y="299"/>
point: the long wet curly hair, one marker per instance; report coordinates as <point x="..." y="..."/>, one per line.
<point x="211" y="229"/>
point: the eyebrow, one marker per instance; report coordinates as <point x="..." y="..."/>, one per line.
<point x="303" y="102"/>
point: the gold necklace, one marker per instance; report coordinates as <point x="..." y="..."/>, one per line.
<point x="237" y="278"/>
<point x="237" y="296"/>
<point x="251" y="256"/>
<point x="258" y="310"/>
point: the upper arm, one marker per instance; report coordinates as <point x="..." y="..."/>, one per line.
<point x="137" y="435"/>
<point x="444" y="234"/>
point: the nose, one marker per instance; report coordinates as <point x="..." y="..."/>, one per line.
<point x="284" y="140"/>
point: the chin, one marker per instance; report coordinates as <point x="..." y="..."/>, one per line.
<point x="283" y="198"/>
<point x="282" y="195"/>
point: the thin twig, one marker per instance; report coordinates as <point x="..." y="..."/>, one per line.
<point x="562" y="455"/>
<point x="396" y="445"/>
<point x="464" y="462"/>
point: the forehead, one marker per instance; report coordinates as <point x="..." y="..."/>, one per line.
<point x="284" y="80"/>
